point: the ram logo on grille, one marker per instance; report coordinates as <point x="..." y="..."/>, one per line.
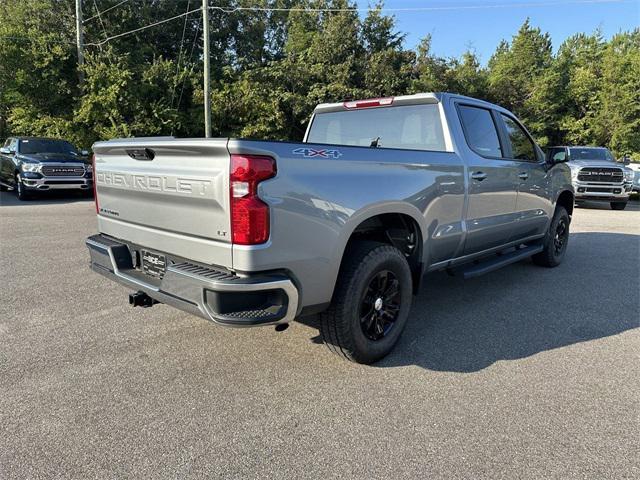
<point x="62" y="171"/>
<point x="604" y="175"/>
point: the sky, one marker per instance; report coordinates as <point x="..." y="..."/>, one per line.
<point x="458" y="25"/>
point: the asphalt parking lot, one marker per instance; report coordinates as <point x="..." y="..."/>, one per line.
<point x="524" y="373"/>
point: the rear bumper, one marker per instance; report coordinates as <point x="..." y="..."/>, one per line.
<point x="221" y="297"/>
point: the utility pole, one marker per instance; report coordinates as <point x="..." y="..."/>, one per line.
<point x="80" y="41"/>
<point x="207" y="79"/>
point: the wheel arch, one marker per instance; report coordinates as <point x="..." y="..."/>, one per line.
<point x="566" y="199"/>
<point x="398" y="224"/>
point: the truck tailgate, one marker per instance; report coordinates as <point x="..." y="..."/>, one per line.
<point x="166" y="194"/>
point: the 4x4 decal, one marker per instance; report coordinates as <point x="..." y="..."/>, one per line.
<point x="307" y="152"/>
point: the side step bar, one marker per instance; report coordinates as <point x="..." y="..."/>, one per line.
<point x="499" y="261"/>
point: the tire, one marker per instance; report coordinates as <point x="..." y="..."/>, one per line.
<point x="21" y="192"/>
<point x="618" y="205"/>
<point x="363" y="324"/>
<point x="555" y="241"/>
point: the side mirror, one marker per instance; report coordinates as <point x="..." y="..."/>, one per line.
<point x="626" y="159"/>
<point x="5" y="150"/>
<point x="559" y="157"/>
<point x="84" y="153"/>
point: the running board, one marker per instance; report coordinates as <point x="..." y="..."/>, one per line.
<point x="486" y="266"/>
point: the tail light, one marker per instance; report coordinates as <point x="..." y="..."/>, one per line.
<point x="249" y="214"/>
<point x="94" y="178"/>
<point x="369" y="103"/>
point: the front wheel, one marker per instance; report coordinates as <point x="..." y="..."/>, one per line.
<point x="618" y="205"/>
<point x="370" y="305"/>
<point x="555" y="241"/>
<point x="21" y="191"/>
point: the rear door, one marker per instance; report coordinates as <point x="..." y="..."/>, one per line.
<point x="492" y="181"/>
<point x="533" y="205"/>
<point x="166" y="194"/>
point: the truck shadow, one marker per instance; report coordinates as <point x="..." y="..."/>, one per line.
<point x="633" y="205"/>
<point x="9" y="199"/>
<point x="524" y="309"/>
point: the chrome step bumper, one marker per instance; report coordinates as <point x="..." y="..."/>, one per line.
<point x="215" y="295"/>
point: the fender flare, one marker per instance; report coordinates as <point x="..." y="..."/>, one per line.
<point x="371" y="211"/>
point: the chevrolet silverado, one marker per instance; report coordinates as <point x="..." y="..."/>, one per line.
<point x="342" y="226"/>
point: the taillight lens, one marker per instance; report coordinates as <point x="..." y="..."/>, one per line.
<point x="249" y="214"/>
<point x="93" y="173"/>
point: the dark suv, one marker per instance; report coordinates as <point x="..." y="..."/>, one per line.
<point x="31" y="164"/>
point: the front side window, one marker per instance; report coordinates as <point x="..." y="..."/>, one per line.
<point x="552" y="152"/>
<point x="522" y="147"/>
<point x="480" y="131"/>
<point x="411" y="127"/>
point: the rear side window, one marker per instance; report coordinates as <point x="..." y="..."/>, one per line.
<point x="480" y="131"/>
<point x="411" y="127"/>
<point x="521" y="145"/>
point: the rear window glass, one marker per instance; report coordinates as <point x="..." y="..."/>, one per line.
<point x="480" y="131"/>
<point x="411" y="127"/>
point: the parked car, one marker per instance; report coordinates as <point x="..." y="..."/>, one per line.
<point x="596" y="175"/>
<point x="635" y="187"/>
<point x="343" y="225"/>
<point x="30" y="165"/>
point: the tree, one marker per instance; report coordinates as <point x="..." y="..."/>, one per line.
<point x="270" y="69"/>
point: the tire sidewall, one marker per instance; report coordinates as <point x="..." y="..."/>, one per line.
<point x="561" y="213"/>
<point x="19" y="187"/>
<point x="365" y="349"/>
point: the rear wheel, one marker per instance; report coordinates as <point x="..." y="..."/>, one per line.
<point x="556" y="240"/>
<point x="370" y="305"/>
<point x="618" y="205"/>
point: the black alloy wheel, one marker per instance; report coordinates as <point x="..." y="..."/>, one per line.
<point x="561" y="236"/>
<point x="380" y="305"/>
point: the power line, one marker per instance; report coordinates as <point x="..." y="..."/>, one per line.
<point x="108" y="39"/>
<point x="104" y="30"/>
<point x="410" y="9"/>
<point x="359" y="10"/>
<point x="193" y="64"/>
<point x="184" y="30"/>
<point x="104" y="11"/>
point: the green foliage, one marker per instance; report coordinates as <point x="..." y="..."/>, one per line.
<point x="269" y="69"/>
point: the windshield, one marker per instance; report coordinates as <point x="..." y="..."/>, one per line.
<point x="591" y="154"/>
<point x="45" y="146"/>
<point x="413" y="127"/>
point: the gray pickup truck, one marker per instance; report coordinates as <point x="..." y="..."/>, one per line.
<point x="341" y="226"/>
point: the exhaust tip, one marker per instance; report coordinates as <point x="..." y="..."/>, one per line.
<point x="281" y="327"/>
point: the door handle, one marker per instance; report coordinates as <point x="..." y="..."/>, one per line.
<point x="479" y="176"/>
<point x="523" y="176"/>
